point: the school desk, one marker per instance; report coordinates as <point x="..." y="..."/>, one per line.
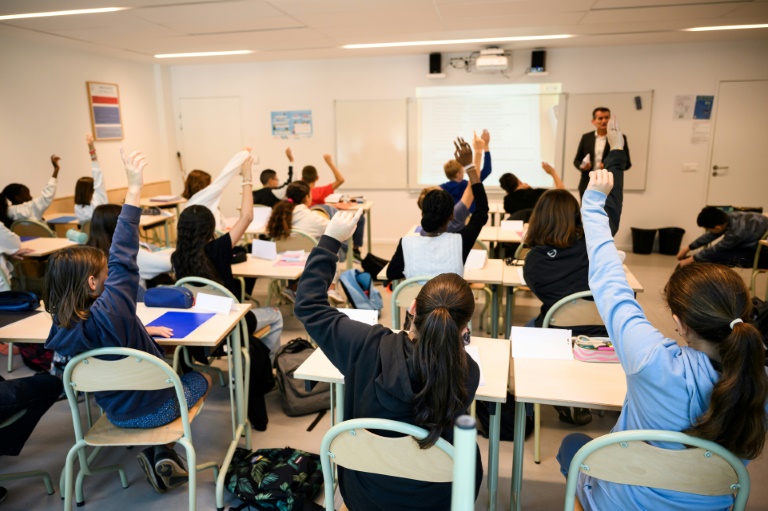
<point x="354" y="206"/>
<point x="560" y="383"/>
<point x="496" y="213"/>
<point x="255" y="267"/>
<point x="45" y="246"/>
<point x="160" y="202"/>
<point x="61" y="222"/>
<point x="151" y="222"/>
<point x="491" y="273"/>
<point x="512" y="278"/>
<point x="494" y="362"/>
<point x="35" y="329"/>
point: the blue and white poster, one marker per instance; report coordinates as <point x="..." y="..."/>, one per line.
<point x="292" y="124"/>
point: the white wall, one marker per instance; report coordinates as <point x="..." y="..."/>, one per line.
<point x="44" y="110"/>
<point x="671" y="197"/>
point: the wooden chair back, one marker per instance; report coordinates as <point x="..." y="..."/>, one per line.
<point x="32" y="228"/>
<point x="573" y="310"/>
<point x="298" y="240"/>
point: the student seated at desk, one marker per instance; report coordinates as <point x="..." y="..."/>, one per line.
<point x="93" y="305"/>
<point x="269" y="183"/>
<point x="22" y="205"/>
<point x="439" y="251"/>
<point x="521" y="198"/>
<point x="154" y="268"/>
<point x="199" y="190"/>
<point x="455" y="171"/>
<point x="460" y="209"/>
<point x="10" y="247"/>
<point x="715" y="387"/>
<point x="422" y="376"/>
<point x="740" y="231"/>
<point x="90" y="192"/>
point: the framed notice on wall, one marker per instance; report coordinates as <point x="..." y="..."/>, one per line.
<point x="104" y="105"/>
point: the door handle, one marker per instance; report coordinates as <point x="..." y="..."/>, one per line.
<point x="715" y="168"/>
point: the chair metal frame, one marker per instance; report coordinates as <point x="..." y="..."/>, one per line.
<point x="46" y="232"/>
<point x="756" y="270"/>
<point x="724" y="473"/>
<point x="350" y="444"/>
<point x="410" y="286"/>
<point x="87" y="372"/>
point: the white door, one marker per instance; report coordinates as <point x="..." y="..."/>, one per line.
<point x="211" y="133"/>
<point x="737" y="170"/>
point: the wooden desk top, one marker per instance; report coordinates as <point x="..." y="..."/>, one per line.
<point x="46" y="246"/>
<point x="255" y="267"/>
<point x="569" y="383"/>
<point x="512" y="278"/>
<point x="491" y="273"/>
<point x="494" y="359"/>
<point x="365" y="206"/>
<point x="146" y="221"/>
<point x="146" y="202"/>
<point x="35" y="329"/>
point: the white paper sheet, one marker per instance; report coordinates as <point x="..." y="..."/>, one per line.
<point x="512" y="225"/>
<point x="546" y="343"/>
<point x="334" y="197"/>
<point x="474" y="352"/>
<point x="369" y="317"/>
<point x="476" y="259"/>
<point x="260" y="218"/>
<point x="214" y="303"/>
<point x="520" y="274"/>
<point x="264" y="249"/>
<point x="293" y="256"/>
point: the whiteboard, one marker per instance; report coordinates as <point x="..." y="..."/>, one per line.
<point x="634" y="123"/>
<point x="372" y="144"/>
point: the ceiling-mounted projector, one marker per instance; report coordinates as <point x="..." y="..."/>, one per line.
<point x="491" y="60"/>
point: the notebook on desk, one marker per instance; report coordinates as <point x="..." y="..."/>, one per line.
<point x="62" y="220"/>
<point x="182" y="323"/>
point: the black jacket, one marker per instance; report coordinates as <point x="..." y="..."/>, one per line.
<point x="587" y="147"/>
<point x="379" y="382"/>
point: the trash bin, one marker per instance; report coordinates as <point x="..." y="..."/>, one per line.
<point x="670" y="239"/>
<point x="642" y="240"/>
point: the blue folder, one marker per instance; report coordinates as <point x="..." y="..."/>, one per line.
<point x="63" y="220"/>
<point x="28" y="238"/>
<point x="182" y="323"/>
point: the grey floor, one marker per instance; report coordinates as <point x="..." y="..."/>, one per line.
<point x="543" y="486"/>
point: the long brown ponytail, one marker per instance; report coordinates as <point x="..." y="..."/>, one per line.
<point x="443" y="308"/>
<point x="708" y="298"/>
<point x="280" y="221"/>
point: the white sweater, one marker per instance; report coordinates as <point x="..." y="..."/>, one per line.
<point x="432" y="255"/>
<point x="308" y="221"/>
<point x="210" y="196"/>
<point x="84" y="213"/>
<point x="36" y="207"/>
<point x="9" y="245"/>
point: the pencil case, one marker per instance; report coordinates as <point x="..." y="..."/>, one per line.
<point x="594" y="349"/>
<point x="169" y="297"/>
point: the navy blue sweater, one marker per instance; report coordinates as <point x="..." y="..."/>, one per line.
<point x="113" y="323"/>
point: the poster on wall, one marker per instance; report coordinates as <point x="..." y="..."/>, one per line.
<point x="703" y="109"/>
<point x="104" y="106"/>
<point x="292" y="124"/>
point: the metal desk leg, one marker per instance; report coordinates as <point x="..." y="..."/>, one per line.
<point x="350" y="254"/>
<point x="510" y="310"/>
<point x="10" y="356"/>
<point x="370" y="231"/>
<point x="494" y="432"/>
<point x="517" y="457"/>
<point x="495" y="312"/>
<point x="339" y="390"/>
<point x="167" y="233"/>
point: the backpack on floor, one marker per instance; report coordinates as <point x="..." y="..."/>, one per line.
<point x="295" y="397"/>
<point x="373" y="264"/>
<point x="282" y="479"/>
<point x="507" y="429"/>
<point x="358" y="286"/>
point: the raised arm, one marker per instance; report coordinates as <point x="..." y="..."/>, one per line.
<point x="246" y="204"/>
<point x="36" y="207"/>
<point x="289" y="155"/>
<point x="211" y="194"/>
<point x="339" y="337"/>
<point x="99" y="188"/>
<point x="336" y="174"/>
<point x="479" y="218"/>
<point x="487" y="167"/>
<point x="549" y="169"/>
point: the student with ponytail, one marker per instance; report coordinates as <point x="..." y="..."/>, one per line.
<point x="715" y="387"/>
<point x="422" y="377"/>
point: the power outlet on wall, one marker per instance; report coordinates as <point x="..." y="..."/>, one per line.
<point x="690" y="167"/>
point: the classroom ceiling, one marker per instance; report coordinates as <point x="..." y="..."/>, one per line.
<point x="315" y="29"/>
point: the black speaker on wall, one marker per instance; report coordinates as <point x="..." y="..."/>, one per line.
<point x="538" y="61"/>
<point x="435" y="63"/>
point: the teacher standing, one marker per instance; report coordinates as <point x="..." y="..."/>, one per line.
<point x="593" y="146"/>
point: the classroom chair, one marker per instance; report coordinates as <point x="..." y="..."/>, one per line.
<point x="321" y="211"/>
<point x="572" y="310"/>
<point x="756" y="270"/>
<point x="402" y="296"/>
<point x="86" y="227"/>
<point x="298" y="240"/>
<point x="32" y="228"/>
<point x="134" y="370"/>
<point x="351" y="444"/>
<point x="624" y="457"/>
<point x="28" y="474"/>
<point x="31" y="271"/>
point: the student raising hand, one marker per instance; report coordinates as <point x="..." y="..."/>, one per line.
<point x="343" y="225"/>
<point x="601" y="181"/>
<point x="134" y="171"/>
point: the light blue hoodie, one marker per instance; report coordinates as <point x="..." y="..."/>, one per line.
<point x="668" y="386"/>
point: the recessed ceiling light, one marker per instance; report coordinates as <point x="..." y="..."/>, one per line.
<point x="201" y="54"/>
<point x="60" y="13"/>
<point x="457" y="41"/>
<point x="725" y="27"/>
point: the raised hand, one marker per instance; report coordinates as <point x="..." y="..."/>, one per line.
<point x="463" y="152"/>
<point x="134" y="168"/>
<point x="478" y="143"/>
<point x="343" y="225"/>
<point x="289" y="154"/>
<point x="486" y="138"/>
<point x="55" y="162"/>
<point x="600" y="180"/>
<point x="549" y="169"/>
<point x="614" y="136"/>
<point x="246" y="168"/>
<point x="328" y="159"/>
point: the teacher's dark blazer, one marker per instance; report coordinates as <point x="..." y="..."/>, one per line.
<point x="587" y="146"/>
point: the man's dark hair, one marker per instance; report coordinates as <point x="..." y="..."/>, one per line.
<point x="600" y="109"/>
<point x="266" y="175"/>
<point x="508" y="182"/>
<point x="309" y="174"/>
<point x="711" y="217"/>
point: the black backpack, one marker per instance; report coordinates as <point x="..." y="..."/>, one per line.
<point x="296" y="396"/>
<point x="280" y="479"/>
<point x="507" y="429"/>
